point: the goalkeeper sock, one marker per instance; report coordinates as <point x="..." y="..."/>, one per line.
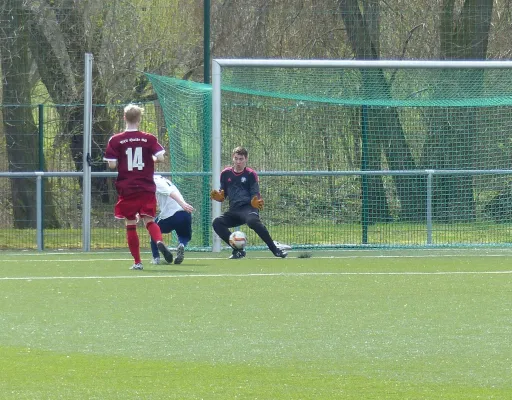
<point x="154" y="231"/>
<point x="133" y="242"/>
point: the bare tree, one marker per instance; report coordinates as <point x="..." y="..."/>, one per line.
<point x="464" y="35"/>
<point x="362" y="35"/>
<point x="19" y="126"/>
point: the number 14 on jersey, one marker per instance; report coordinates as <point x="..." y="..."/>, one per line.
<point x="134" y="157"/>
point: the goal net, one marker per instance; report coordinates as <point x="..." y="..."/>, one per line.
<point x="355" y="153"/>
<point x="186" y="107"/>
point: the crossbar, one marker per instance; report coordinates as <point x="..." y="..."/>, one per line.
<point x="453" y="64"/>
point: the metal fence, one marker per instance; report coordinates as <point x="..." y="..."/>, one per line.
<point x="490" y="227"/>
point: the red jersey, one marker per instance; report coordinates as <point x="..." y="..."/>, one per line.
<point x="134" y="151"/>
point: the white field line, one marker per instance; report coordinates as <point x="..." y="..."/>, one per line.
<point x="250" y="275"/>
<point x="362" y="250"/>
<point x="345" y="257"/>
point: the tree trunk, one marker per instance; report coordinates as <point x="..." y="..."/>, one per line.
<point x="383" y="122"/>
<point x="20" y="129"/>
<point x="453" y="132"/>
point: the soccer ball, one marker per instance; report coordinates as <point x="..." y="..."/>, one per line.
<point x="238" y="240"/>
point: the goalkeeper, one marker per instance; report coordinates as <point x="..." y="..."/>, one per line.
<point x="240" y="185"/>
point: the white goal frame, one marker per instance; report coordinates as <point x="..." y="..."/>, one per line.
<point x="217" y="65"/>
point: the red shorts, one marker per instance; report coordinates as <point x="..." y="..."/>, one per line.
<point x="129" y="207"/>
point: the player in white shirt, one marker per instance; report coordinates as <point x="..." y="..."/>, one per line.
<point x="175" y="215"/>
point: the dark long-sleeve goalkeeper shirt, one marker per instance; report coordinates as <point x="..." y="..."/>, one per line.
<point x="239" y="187"/>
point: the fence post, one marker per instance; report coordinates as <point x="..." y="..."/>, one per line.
<point x="364" y="178"/>
<point x="430" y="173"/>
<point x="39" y="210"/>
<point x="40" y="181"/>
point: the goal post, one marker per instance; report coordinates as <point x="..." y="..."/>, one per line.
<point x="379" y="153"/>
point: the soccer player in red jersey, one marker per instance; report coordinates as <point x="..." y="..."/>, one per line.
<point x="240" y="184"/>
<point x="134" y="154"/>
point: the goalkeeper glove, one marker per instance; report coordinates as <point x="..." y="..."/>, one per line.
<point x="257" y="202"/>
<point x="217" y="195"/>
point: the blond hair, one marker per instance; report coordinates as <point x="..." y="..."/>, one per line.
<point x="133" y="113"/>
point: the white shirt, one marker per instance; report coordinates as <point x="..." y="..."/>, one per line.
<point x="164" y="188"/>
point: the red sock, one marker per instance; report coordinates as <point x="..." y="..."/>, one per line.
<point x="154" y="231"/>
<point x="133" y="242"/>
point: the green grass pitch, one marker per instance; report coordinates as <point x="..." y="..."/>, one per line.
<point x="388" y="324"/>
